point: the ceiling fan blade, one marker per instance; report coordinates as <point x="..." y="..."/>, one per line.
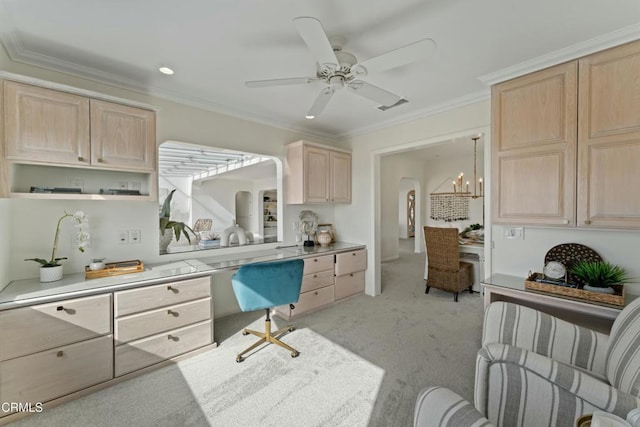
<point x="321" y="101"/>
<point x="374" y="93"/>
<point x="280" y="82"/>
<point x="313" y="34"/>
<point x="416" y="51"/>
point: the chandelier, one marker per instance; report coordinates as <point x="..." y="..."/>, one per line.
<point x="458" y="190"/>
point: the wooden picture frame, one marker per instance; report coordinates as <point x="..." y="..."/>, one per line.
<point x="326" y="227"/>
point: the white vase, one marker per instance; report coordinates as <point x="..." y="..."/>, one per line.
<point x="50" y="274"/>
<point x="324" y="238"/>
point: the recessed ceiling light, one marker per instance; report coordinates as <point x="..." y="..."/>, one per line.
<point x="166" y="70"/>
<point x="310" y="117"/>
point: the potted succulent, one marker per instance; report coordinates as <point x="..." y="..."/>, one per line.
<point x="599" y="276"/>
<point x="169" y="228"/>
<point x="51" y="269"/>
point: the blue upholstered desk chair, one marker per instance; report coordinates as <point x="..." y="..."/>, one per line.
<point x="266" y="285"/>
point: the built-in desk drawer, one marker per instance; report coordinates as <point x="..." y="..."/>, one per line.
<point x="317" y="280"/>
<point x="349" y="284"/>
<point x="53" y="373"/>
<point x="350" y="262"/>
<point x="152" y="297"/>
<point x="152" y="322"/>
<point x="157" y="348"/>
<point x="319" y="263"/>
<point x="313" y="299"/>
<point x="32" y="329"/>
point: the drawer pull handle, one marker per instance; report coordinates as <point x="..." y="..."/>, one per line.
<point x="351" y="275"/>
<point x="315" y="276"/>
<point x="60" y="353"/>
<point x="66" y="310"/>
<point x="354" y="254"/>
<point x="100" y="161"/>
<point x="173" y="313"/>
<point x="172" y="289"/>
<point x="315" y="260"/>
<point x="172" y="338"/>
<point x="586" y="221"/>
<point x="315" y="293"/>
<point x="81" y="159"/>
<point x="60" y="308"/>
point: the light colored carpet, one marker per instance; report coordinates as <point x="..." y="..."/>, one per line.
<point x="362" y="363"/>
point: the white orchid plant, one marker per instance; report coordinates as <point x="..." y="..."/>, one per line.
<point x="83" y="238"/>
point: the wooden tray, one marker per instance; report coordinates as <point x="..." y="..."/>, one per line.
<point x="114" y="269"/>
<point x="616" y="299"/>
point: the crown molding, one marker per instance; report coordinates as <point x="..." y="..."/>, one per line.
<point x="587" y="47"/>
<point x="461" y="101"/>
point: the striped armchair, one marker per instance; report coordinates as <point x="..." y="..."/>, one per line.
<point x="537" y="370"/>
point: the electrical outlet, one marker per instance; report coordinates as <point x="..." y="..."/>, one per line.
<point x="135" y="236"/>
<point x="123" y="237"/>
<point x="516" y="233"/>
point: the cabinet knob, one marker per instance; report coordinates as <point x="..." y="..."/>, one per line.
<point x="172" y="289"/>
<point x="80" y="159"/>
<point x="354" y="254"/>
<point x="60" y="353"/>
<point x="315" y="276"/>
<point x="100" y="160"/>
<point x="315" y="260"/>
<point x="172" y="338"/>
<point x="587" y="221"/>
<point x="59" y="308"/>
<point x="351" y="274"/>
<point x="173" y="313"/>
<point x="315" y="293"/>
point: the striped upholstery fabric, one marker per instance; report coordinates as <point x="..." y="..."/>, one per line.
<point x="440" y="407"/>
<point x="517" y="387"/>
<point x="530" y="329"/>
<point x="633" y="418"/>
<point x="623" y="358"/>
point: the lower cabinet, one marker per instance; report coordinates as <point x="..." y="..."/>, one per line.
<point x="159" y="322"/>
<point x="49" y="351"/>
<point x="326" y="279"/>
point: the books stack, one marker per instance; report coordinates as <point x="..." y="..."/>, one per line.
<point x="207" y="244"/>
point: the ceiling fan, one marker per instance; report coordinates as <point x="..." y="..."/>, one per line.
<point x="338" y="69"/>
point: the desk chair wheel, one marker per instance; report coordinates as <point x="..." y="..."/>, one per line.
<point x="245" y="332"/>
<point x="295" y="354"/>
<point x="291" y="329"/>
<point x="239" y="359"/>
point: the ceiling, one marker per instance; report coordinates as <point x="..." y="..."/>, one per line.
<point x="215" y="46"/>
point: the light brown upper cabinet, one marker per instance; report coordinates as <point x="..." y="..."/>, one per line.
<point x="566" y="143"/>
<point x="317" y="174"/>
<point x="59" y="128"/>
<point x="609" y="139"/>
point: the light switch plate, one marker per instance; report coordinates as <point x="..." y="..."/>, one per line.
<point x="516" y="233"/>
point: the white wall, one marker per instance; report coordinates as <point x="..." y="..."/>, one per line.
<point x="518" y="257"/>
<point x="393" y="168"/>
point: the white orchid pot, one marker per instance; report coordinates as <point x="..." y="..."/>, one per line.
<point x="50" y="274"/>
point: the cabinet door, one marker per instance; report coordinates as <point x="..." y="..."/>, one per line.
<point x="316" y="175"/>
<point x="340" y="172"/>
<point x="609" y="139"/>
<point x="45" y="125"/>
<point x="122" y="137"/>
<point x="534" y="147"/>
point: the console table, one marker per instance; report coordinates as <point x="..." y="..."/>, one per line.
<point x="502" y="287"/>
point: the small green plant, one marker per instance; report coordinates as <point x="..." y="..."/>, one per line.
<point x="600" y="274"/>
<point x="166" y="223"/>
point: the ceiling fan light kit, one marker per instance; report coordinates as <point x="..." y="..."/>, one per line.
<point x="338" y="69"/>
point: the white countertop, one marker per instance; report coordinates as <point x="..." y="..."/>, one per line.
<point x="30" y="291"/>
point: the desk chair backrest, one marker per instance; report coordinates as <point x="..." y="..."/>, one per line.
<point x="268" y="284"/>
<point x="442" y="248"/>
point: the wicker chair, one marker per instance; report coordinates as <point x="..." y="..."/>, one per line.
<point x="446" y="271"/>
